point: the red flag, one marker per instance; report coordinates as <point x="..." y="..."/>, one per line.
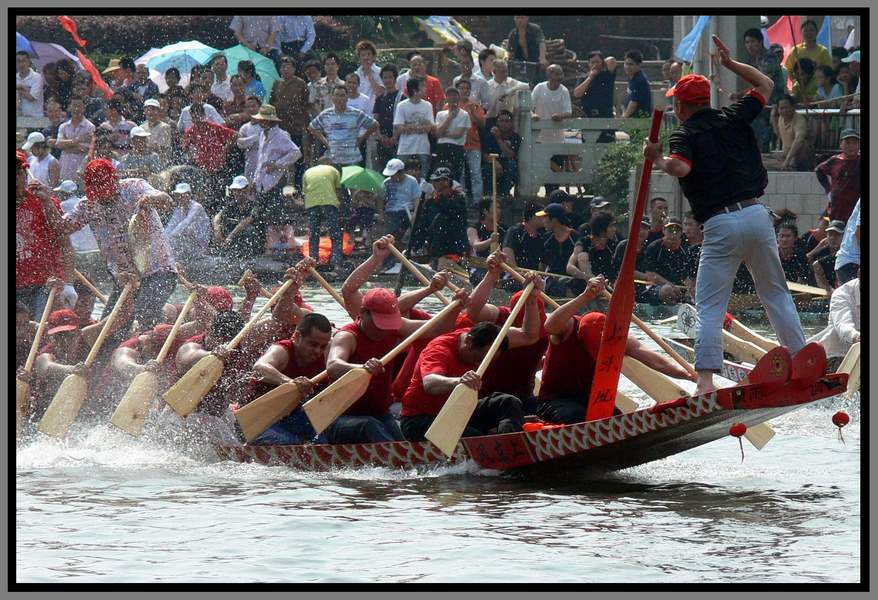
<point x="787" y="33"/>
<point x="95" y="75"/>
<point x="615" y="335"/>
<point x="70" y="25"/>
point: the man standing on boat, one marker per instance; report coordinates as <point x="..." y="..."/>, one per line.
<point x="715" y="155"/>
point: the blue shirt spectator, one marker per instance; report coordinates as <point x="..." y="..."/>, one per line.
<point x="638" y="98"/>
<point x="341" y="130"/>
<point x="401" y="195"/>
<point x="849" y="253"/>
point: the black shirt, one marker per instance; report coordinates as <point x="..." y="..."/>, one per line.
<point x="619" y="256"/>
<point x="573" y="220"/>
<point x="601" y="259"/>
<point x="722" y="150"/>
<point x="492" y="147"/>
<point x="249" y="241"/>
<point x="533" y="36"/>
<point x="446" y="220"/>
<point x="556" y="254"/>
<point x="385" y="106"/>
<point x="653" y="236"/>
<point x="796" y="268"/>
<point x="484" y="234"/>
<point x="827" y="263"/>
<point x="598" y="98"/>
<point x="528" y="249"/>
<point x="673" y="265"/>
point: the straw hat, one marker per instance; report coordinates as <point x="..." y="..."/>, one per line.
<point x="113" y="66"/>
<point x="266" y="113"/>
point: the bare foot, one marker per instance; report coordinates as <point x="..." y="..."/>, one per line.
<point x="705" y="383"/>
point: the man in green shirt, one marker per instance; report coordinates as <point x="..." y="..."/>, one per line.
<point x="320" y="185"/>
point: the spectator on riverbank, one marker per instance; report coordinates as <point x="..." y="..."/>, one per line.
<point x="252" y="82"/>
<point x="142" y="85"/>
<point x="401" y="193"/>
<point x="847" y="261"/>
<point x="792" y="257"/>
<point x="596" y="90"/>
<point x="551" y="102"/>
<point x="295" y="36"/>
<point x="478" y="84"/>
<point x="809" y="48"/>
<point x="338" y="128"/>
<point x="198" y="95"/>
<point x="28" y="87"/>
<point x="74" y="139"/>
<point x="289" y="96"/>
<point x="824" y="266"/>
<point x="502" y="92"/>
<point x="238" y="229"/>
<point x="840" y="176"/>
<point x="768" y="63"/>
<point x="368" y="73"/>
<point x="161" y="134"/>
<point x="320" y="185"/>
<point x="220" y="83"/>
<point x="805" y="87"/>
<point x="505" y="143"/>
<point x="797" y="146"/>
<point x="451" y="130"/>
<point x="277" y="155"/>
<point x="638" y="97"/>
<point x="257" y="33"/>
<point x="208" y="146"/>
<point x="140" y="161"/>
<point x="412" y="123"/>
<point x="188" y="229"/>
<point x="473" y="145"/>
<point x="383" y="112"/>
<point x="430" y="87"/>
<point x="44" y="167"/>
<point x="118" y="126"/>
<point x="526" y="42"/>
<point x="248" y="137"/>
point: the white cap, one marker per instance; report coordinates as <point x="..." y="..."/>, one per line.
<point x="763" y="20"/>
<point x="182" y="188"/>
<point x="66" y="186"/>
<point x="139" y="131"/>
<point x="34" y="138"/>
<point x="394" y="166"/>
<point x="68" y="297"/>
<point x="239" y="183"/>
<point x="152" y="102"/>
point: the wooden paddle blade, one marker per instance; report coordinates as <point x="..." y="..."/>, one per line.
<point x="745" y="333"/>
<point x="805" y="289"/>
<point x="324" y="408"/>
<point x="185" y="395"/>
<point x="687" y="321"/>
<point x="22" y="395"/>
<point x="625" y="404"/>
<point x="268" y="409"/>
<point x="448" y="426"/>
<point x="742" y="350"/>
<point x="134" y="407"/>
<point x="65" y="406"/>
<point x="851" y="365"/>
<point x="657" y="386"/>
<point x="759" y="435"/>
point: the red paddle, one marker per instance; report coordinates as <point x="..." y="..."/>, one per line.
<point x="615" y="335"/>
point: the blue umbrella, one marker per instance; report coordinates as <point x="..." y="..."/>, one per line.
<point x="182" y="56"/>
<point x="264" y="66"/>
<point x="22" y="44"/>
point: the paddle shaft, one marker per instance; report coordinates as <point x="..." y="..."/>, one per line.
<point x="493" y="157"/>
<point x="44" y="319"/>
<point x="410" y="245"/>
<point x="417" y="273"/>
<point x="325" y="285"/>
<point x="169" y="341"/>
<point x="271" y="301"/>
<point x="96" y="347"/>
<point x="520" y="279"/>
<point x="98" y="293"/>
<point x="498" y="341"/>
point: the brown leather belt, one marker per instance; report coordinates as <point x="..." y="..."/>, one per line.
<point x="735" y="206"/>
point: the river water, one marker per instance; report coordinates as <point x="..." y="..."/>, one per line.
<point x="102" y="506"/>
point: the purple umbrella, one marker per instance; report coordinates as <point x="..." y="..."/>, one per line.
<point x="22" y="44"/>
<point x="49" y="53"/>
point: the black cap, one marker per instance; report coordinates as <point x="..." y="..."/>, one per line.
<point x="553" y="211"/>
<point x="674" y="222"/>
<point x="559" y="196"/>
<point x="598" y="201"/>
<point x="849" y="133"/>
<point x="441" y="173"/>
<point x="837" y="226"/>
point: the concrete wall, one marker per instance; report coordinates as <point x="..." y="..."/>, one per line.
<point x="799" y="192"/>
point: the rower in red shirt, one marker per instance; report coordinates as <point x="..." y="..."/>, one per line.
<point x="451" y="359"/>
<point x="41" y="248"/>
<point x="208" y="141"/>
<point x="297" y="360"/>
<point x="362" y="343"/>
<point x="569" y="368"/>
<point x="513" y="371"/>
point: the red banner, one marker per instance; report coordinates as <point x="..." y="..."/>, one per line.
<point x="95" y="75"/>
<point x="70" y="26"/>
<point x="615" y="335"/>
<point x="787" y="32"/>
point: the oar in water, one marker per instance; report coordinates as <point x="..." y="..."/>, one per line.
<point x="132" y="410"/>
<point x="22" y="388"/>
<point x="185" y="395"/>
<point x="271" y="407"/>
<point x="69" y="398"/>
<point x="850" y="364"/>
<point x="447" y="427"/>
<point x="420" y="276"/>
<point x="324" y="408"/>
<point x="98" y="293"/>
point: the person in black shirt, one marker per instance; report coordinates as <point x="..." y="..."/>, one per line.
<point x="596" y="90"/>
<point x="571" y="218"/>
<point x="593" y="255"/>
<point x="445" y="217"/>
<point x="640" y="291"/>
<point x="557" y="248"/>
<point x="482" y="235"/>
<point x="824" y="266"/>
<point x="383" y="111"/>
<point x="692" y="243"/>
<point x="523" y="244"/>
<point x="503" y="141"/>
<point x="667" y="263"/>
<point x="658" y="212"/>
<point x="716" y="158"/>
<point x="239" y="228"/>
<point x="792" y="258"/>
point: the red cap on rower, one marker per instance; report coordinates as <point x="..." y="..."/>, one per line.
<point x="383" y="306"/>
<point x="161" y="332"/>
<point x="21" y="160"/>
<point x="61" y="321"/>
<point x="219" y="298"/>
<point x="100" y="179"/>
<point x="692" y="89"/>
<point x="591" y="328"/>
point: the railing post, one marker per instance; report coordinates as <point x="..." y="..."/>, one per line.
<point x="526" y="188"/>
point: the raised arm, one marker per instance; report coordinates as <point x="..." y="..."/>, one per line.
<point x="479" y="309"/>
<point x="761" y="82"/>
<point x="350" y="290"/>
<point x="560" y="322"/>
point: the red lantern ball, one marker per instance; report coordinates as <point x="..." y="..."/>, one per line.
<point x="840" y="419"/>
<point x="737" y="430"/>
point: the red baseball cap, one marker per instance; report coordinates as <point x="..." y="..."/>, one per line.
<point x="691" y="89"/>
<point x="383" y="306"/>
<point x="161" y="332"/>
<point x="61" y="321"/>
<point x="591" y="329"/>
<point x="219" y="298"/>
<point x="21" y="160"/>
<point x="100" y="179"/>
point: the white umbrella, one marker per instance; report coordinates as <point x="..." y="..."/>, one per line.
<point x="49" y="53"/>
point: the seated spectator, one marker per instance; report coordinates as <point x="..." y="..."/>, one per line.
<point x="824" y="267"/>
<point x="198" y="95"/>
<point x="189" y="227"/>
<point x="161" y="134"/>
<point x="596" y="90"/>
<point x="693" y="242"/>
<point x="140" y="162"/>
<point x="483" y="234"/>
<point x="840" y="176"/>
<point x="238" y="229"/>
<point x="847" y="261"/>
<point x="640" y="260"/>
<point x="593" y="255"/>
<point x="813" y="238"/>
<point x="658" y="214"/>
<point x="118" y="126"/>
<point x="444" y="223"/>
<point x="504" y="142"/>
<point x="844" y="85"/>
<point x="826" y="87"/>
<point x="638" y="97"/>
<point x="557" y="248"/>
<point x="797" y="145"/>
<point x="792" y="258"/>
<point x="401" y="194"/>
<point x="805" y="85"/>
<point x="667" y="265"/>
<point x="524" y="242"/>
<point x="781" y="215"/>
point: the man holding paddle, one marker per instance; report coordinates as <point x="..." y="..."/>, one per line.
<point x="715" y="155"/>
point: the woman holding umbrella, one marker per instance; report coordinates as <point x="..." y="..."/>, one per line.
<point x="252" y="83"/>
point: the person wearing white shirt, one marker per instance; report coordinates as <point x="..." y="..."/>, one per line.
<point x="28" y="87"/>
<point x="82" y="240"/>
<point x="451" y="129"/>
<point x="44" y="167"/>
<point x="221" y="86"/>
<point x="160" y="133"/>
<point x="74" y="139"/>
<point x="356" y="99"/>
<point x="551" y="101"/>
<point x="478" y="84"/>
<point x="412" y="123"/>
<point x="277" y="153"/>
<point x="189" y="227"/>
<point x="295" y="35"/>
<point x="197" y="95"/>
<point x="501" y="94"/>
<point x="844" y="322"/>
<point x="369" y="73"/>
<point x="248" y="138"/>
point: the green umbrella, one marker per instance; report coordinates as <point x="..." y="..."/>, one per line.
<point x="264" y="66"/>
<point x="358" y="178"/>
